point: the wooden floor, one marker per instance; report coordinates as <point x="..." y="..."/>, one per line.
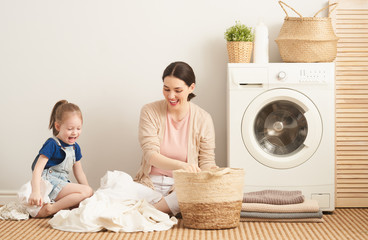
<point x="343" y="224"/>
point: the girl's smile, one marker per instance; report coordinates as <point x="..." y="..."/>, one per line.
<point x="70" y="129"/>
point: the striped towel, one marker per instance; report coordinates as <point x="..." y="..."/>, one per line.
<point x="276" y="197"/>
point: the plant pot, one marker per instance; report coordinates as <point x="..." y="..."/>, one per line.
<point x="239" y="52"/>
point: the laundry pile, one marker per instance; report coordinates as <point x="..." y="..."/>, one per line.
<point x="279" y="206"/>
<point x="13" y="211"/>
<point x="119" y="205"/>
<point x="20" y="209"/>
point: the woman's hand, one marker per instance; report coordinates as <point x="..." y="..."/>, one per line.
<point x="191" y="167"/>
<point x="160" y="161"/>
<point x="35" y="199"/>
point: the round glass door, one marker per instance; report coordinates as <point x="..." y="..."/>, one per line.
<point x="281" y="128"/>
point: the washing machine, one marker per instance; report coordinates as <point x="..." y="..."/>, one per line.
<point x="280" y="126"/>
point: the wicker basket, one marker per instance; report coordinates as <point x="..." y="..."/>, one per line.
<point x="239" y="52"/>
<point x="307" y="39"/>
<point x="210" y="199"/>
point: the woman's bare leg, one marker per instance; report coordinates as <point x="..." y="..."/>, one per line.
<point x="162" y="206"/>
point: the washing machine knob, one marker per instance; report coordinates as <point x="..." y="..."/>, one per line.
<point x="281" y="76"/>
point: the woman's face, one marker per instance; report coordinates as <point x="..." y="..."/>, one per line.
<point x="176" y="92"/>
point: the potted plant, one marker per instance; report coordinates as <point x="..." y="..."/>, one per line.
<point x="239" y="43"/>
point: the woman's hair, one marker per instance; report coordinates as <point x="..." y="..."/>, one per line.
<point x="182" y="71"/>
<point x="58" y="113"/>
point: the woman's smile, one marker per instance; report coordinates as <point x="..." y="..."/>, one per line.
<point x="176" y="92"/>
<point x="173" y="102"/>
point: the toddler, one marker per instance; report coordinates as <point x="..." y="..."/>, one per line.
<point x="57" y="157"/>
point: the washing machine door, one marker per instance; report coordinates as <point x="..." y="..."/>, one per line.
<point x="281" y="128"/>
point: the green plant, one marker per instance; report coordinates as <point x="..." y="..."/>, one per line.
<point x="239" y="32"/>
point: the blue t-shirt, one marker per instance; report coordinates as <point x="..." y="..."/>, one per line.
<point x="55" y="153"/>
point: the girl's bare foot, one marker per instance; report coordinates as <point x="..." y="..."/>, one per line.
<point x="45" y="211"/>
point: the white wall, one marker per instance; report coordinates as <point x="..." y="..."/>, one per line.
<point x="108" y="57"/>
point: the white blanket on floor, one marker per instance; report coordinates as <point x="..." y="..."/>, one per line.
<point x="119" y="205"/>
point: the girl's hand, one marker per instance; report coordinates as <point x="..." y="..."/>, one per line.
<point x="191" y="167"/>
<point x="35" y="199"/>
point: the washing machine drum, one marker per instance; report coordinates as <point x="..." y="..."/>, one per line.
<point x="281" y="128"/>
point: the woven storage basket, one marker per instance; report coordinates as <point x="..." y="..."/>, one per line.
<point x="307" y="39"/>
<point x="210" y="199"/>
<point x="239" y="52"/>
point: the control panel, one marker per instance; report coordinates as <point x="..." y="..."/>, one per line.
<point x="263" y="76"/>
<point x="299" y="74"/>
<point x="312" y="75"/>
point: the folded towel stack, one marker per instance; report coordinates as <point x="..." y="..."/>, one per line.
<point x="279" y="206"/>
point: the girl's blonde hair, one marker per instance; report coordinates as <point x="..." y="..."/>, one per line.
<point x="58" y="112"/>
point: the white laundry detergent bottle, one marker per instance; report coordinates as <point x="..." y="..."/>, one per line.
<point x="260" y="54"/>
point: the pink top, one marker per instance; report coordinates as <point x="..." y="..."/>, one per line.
<point x="174" y="143"/>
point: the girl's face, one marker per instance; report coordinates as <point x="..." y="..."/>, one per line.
<point x="70" y="129"/>
<point x="176" y="92"/>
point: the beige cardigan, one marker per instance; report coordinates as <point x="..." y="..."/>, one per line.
<point x="201" y="137"/>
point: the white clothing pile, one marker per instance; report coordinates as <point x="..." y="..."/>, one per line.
<point x="20" y="210"/>
<point x="119" y="205"/>
<point x="13" y="211"/>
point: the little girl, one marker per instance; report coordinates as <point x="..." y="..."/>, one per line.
<point x="57" y="157"/>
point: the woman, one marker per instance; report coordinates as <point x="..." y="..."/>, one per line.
<point x="174" y="134"/>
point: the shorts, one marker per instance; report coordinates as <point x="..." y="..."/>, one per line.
<point x="163" y="185"/>
<point x="58" y="181"/>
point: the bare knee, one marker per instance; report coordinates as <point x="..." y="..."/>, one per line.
<point x="162" y="206"/>
<point x="86" y="191"/>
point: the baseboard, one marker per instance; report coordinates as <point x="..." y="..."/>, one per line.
<point x="7" y="196"/>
